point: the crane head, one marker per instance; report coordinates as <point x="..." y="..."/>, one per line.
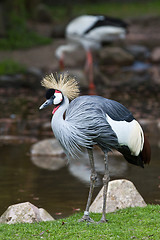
<point x="54" y="97"/>
<point x="63" y="86"/>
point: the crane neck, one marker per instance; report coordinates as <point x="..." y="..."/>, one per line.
<point x="58" y="114"/>
<point x="58" y="122"/>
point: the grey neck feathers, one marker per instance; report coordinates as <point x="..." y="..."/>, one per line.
<point x="58" y="115"/>
<point x="58" y="121"/>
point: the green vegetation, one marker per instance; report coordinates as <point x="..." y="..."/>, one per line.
<point x="11" y="67"/>
<point x="18" y="34"/>
<point x="22" y="39"/>
<point x="117" y="9"/>
<point x="131" y="223"/>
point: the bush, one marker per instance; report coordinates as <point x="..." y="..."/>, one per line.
<point x="11" y="67"/>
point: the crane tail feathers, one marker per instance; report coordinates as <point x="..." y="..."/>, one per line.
<point x="146" y="151"/>
<point x="136" y="160"/>
<point x="143" y="157"/>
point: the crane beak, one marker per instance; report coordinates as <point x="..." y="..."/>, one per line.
<point x="46" y="103"/>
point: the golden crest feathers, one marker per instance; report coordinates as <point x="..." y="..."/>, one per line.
<point x="64" y="83"/>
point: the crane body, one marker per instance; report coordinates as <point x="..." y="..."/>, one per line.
<point x="93" y="120"/>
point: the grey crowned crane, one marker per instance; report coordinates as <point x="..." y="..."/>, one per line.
<point x="90" y="31"/>
<point x="93" y="120"/>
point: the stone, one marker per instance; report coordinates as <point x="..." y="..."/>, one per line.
<point x="35" y="71"/>
<point x="45" y="216"/>
<point x="24" y="213"/>
<point x="137" y="66"/>
<point x="75" y="59"/>
<point x="50" y="147"/>
<point x="140" y="52"/>
<point x="48" y="154"/>
<point x="121" y="194"/>
<point x="49" y="162"/>
<point x="115" y="55"/>
<point x="155" y="55"/>
<point x="80" y="76"/>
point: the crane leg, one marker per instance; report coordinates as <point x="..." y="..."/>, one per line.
<point x="89" y="68"/>
<point x="93" y="178"/>
<point x="106" y="179"/>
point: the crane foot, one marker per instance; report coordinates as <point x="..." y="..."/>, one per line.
<point x="86" y="219"/>
<point x="103" y="220"/>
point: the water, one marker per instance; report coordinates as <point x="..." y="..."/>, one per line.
<point x="20" y="181"/>
<point x="62" y="192"/>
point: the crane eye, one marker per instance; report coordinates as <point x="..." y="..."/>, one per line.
<point x="58" y="97"/>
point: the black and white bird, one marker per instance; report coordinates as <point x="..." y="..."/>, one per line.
<point x="90" y="31"/>
<point x="93" y="120"/>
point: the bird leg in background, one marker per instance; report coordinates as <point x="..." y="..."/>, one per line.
<point x="106" y="179"/>
<point x="89" y="67"/>
<point x="93" y="178"/>
<point x="61" y="63"/>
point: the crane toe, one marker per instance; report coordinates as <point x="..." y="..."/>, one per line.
<point x="86" y="218"/>
<point x="103" y="220"/>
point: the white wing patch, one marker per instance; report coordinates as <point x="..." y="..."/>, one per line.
<point x="129" y="134"/>
<point x="80" y="24"/>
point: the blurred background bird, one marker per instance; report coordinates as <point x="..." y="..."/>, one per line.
<point x="90" y="32"/>
<point x="93" y="120"/>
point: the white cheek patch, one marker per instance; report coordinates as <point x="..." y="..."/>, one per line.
<point x="58" y="98"/>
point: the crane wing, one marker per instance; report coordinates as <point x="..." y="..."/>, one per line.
<point x="110" y="125"/>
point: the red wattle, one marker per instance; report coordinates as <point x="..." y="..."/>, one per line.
<point x="55" y="109"/>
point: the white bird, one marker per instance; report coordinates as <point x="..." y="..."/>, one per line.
<point x="90" y="32"/>
<point x="93" y="120"/>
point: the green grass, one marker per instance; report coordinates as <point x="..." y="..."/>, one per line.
<point x="22" y="40"/>
<point x="11" y="67"/>
<point x="119" y="9"/>
<point x="19" y="36"/>
<point x="131" y="223"/>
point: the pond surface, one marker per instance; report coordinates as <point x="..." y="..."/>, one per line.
<point x="61" y="192"/>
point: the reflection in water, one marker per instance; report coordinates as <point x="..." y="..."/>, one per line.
<point x="80" y="168"/>
<point x="66" y="188"/>
<point x="49" y="162"/>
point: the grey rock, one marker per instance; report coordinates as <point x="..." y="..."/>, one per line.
<point x="80" y="76"/>
<point x="138" y="67"/>
<point x="115" y="55"/>
<point x="49" y="162"/>
<point x="44" y="215"/>
<point x="50" y="147"/>
<point x="48" y="154"/>
<point x="155" y="55"/>
<point x="35" y="71"/>
<point x="121" y="194"/>
<point x="75" y="59"/>
<point x="24" y="213"/>
<point x="138" y="51"/>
